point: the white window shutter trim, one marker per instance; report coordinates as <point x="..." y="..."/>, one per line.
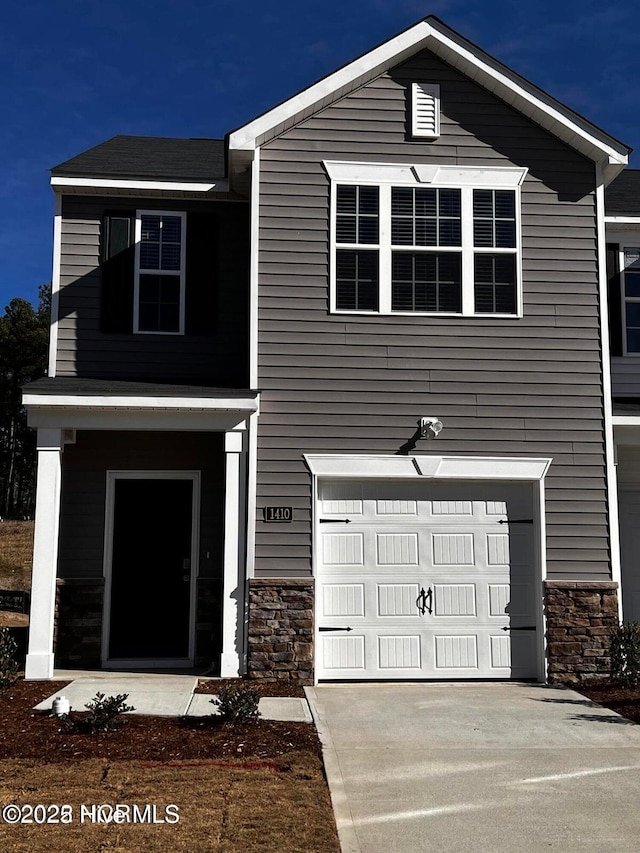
<point x="426" y="110"/>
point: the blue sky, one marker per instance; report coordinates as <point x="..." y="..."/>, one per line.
<point x="76" y="72"/>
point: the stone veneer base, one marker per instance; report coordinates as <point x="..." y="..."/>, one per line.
<point x="580" y="616"/>
<point x="281" y="629"/>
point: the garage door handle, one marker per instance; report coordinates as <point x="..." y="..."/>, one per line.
<point x="424" y="601"/>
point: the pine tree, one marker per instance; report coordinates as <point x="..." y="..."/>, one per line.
<point x="24" y="335"/>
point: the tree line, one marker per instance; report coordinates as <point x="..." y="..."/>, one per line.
<point x="24" y="337"/>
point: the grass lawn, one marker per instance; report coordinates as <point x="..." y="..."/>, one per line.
<point x="243" y="789"/>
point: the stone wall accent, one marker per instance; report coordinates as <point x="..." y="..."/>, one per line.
<point x="78" y="629"/>
<point x="281" y="629"/>
<point x="580" y="616"/>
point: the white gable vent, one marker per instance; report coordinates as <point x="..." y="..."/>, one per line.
<point x="425" y="110"/>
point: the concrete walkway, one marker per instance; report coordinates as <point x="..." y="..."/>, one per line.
<point x="163" y="696"/>
<point x="478" y="768"/>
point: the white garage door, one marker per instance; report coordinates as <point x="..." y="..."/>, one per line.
<point x="419" y="580"/>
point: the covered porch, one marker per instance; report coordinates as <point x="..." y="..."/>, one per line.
<point x="140" y="527"/>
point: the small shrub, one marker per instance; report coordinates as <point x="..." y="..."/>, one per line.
<point x="103" y="715"/>
<point x="8" y="659"/>
<point x="625" y="654"/>
<point x="237" y="703"/>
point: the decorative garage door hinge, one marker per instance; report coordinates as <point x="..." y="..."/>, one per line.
<point x="335" y="521"/>
<point x="335" y="629"/>
<point x="519" y="628"/>
<point x="516" y="521"/>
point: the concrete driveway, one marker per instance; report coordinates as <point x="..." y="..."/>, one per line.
<point x="487" y="767"/>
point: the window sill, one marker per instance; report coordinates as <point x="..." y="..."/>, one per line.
<point x="446" y="314"/>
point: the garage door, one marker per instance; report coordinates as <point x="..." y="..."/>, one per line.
<point x="419" y="580"/>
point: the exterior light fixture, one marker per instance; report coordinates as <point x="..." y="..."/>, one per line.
<point x="430" y="427"/>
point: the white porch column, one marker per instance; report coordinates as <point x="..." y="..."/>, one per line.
<point x="45" y="555"/>
<point x="233" y="583"/>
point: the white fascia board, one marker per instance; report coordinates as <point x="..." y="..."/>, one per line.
<point x="55" y="401"/>
<point x="55" y="286"/>
<point x="428" y="467"/>
<point x="374" y="62"/>
<point x="59" y="183"/>
<point x="449" y="176"/>
<point x="527" y="99"/>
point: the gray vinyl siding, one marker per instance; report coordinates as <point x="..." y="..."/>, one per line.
<point x="218" y="359"/>
<point x="82" y="515"/>
<point x="357" y="384"/>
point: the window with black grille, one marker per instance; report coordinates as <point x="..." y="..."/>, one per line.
<point x="428" y="250"/>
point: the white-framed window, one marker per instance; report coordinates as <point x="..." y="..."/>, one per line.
<point x="425" y="240"/>
<point x="630" y="293"/>
<point x="159" y="283"/>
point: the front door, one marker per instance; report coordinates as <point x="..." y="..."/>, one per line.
<point x="151" y="569"/>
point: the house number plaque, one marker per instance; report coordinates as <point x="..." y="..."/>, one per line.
<point x="278" y="513"/>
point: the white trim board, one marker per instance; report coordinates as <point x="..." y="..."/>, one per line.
<point x="432" y="34"/>
<point x="55" y="286"/>
<point x="489" y="177"/>
<point x="91" y="401"/>
<point x="138" y="184"/>
<point x="428" y="467"/>
<point x="111" y="477"/>
<point x="609" y="449"/>
<point x="528" y="471"/>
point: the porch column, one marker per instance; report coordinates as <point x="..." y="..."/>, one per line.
<point x="234" y="531"/>
<point x="45" y="555"/>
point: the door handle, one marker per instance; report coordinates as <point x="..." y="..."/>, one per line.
<point x="424" y="602"/>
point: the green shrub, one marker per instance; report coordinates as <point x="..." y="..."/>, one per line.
<point x="103" y="715"/>
<point x="8" y="659"/>
<point x="625" y="654"/>
<point x="237" y="703"/>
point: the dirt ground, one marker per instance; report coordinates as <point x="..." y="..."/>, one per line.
<point x="241" y="789"/>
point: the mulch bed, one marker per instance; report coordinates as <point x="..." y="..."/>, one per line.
<point x="284" y="687"/>
<point x="25" y="733"/>
<point x="623" y="700"/>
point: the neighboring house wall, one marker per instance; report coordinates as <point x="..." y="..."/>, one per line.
<point x="82" y="524"/>
<point x="216" y="355"/>
<point x="357" y="384"/>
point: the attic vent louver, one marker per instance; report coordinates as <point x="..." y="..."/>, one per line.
<point x="425" y="110"/>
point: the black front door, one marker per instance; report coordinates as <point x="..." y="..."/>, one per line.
<point x="151" y="569"/>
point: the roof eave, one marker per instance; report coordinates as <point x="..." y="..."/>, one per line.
<point x="84" y="184"/>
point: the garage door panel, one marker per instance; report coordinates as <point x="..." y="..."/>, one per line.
<point x="456" y="652"/>
<point x="397" y="600"/>
<point x="452" y="549"/>
<point x="446" y="539"/>
<point x="399" y="652"/>
<point x="343" y="599"/>
<point x="454" y="600"/>
<point x="397" y="549"/>
<point x="345" y="652"/>
<point x="343" y="549"/>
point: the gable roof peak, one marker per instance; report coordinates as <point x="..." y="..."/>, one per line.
<point x="433" y="34"/>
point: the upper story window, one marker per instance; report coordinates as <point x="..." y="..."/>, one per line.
<point x="399" y="247"/>
<point x="159" y="284"/>
<point x="630" y="257"/>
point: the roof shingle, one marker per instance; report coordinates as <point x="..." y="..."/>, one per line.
<point x="149" y="157"/>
